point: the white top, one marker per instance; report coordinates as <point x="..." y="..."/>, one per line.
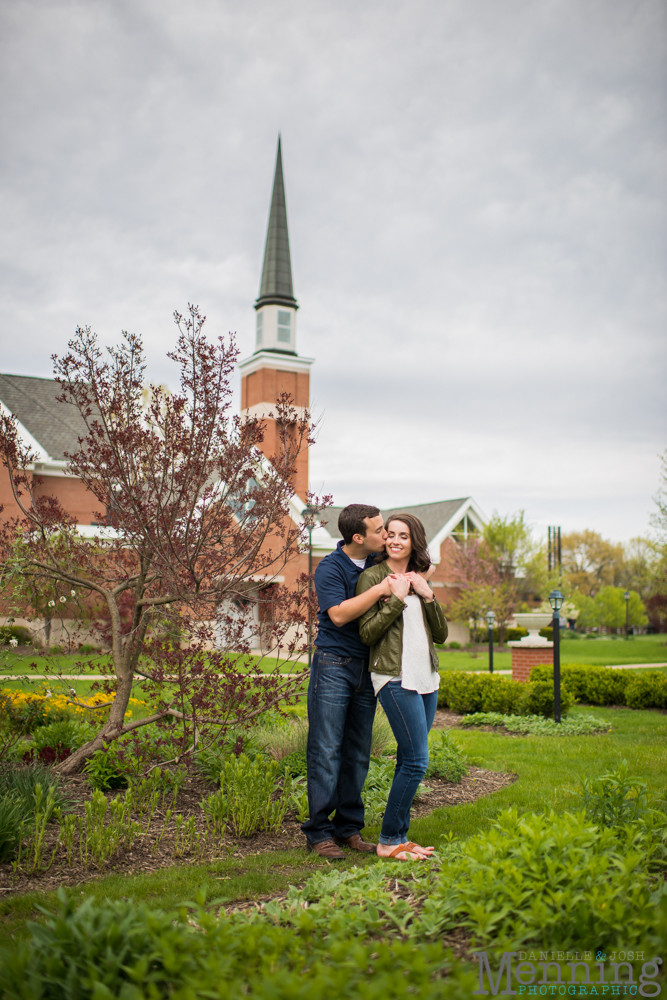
<point x="358" y="562"/>
<point x="417" y="673"/>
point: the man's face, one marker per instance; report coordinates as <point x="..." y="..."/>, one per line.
<point x="375" y="536"/>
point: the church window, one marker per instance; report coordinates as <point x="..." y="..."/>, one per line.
<point x="260" y="327"/>
<point x="284" y="327"/>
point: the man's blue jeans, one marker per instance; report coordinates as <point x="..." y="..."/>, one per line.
<point x="341" y="709"/>
<point x="410" y="716"/>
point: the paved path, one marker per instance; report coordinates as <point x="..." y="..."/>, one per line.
<point x="612" y="666"/>
<point x="101" y="677"/>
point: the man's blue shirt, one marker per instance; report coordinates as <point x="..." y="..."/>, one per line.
<point x="336" y="580"/>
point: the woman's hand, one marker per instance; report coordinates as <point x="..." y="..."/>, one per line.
<point x="420" y="586"/>
<point x="400" y="585"/>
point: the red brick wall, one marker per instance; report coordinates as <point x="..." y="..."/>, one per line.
<point x="264" y="386"/>
<point x="76" y="499"/>
<point x="523" y="660"/>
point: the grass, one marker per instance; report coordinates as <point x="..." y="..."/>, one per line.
<point x="39" y="663"/>
<point x="549" y="769"/>
<point x="605" y="651"/>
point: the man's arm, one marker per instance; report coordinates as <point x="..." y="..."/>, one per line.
<point x="354" y="607"/>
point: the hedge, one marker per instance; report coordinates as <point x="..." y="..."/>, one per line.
<point x="467" y="692"/>
<point x="606" y="686"/>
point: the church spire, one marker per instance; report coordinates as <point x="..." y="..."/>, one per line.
<point x="276" y="285"/>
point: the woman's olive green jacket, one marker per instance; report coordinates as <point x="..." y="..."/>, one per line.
<point x="381" y="627"/>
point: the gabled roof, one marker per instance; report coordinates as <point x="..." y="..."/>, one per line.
<point x="276" y="285"/>
<point x="55" y="427"/>
<point x="439" y="519"/>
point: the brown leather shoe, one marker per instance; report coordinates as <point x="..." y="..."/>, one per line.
<point x="327" y="849"/>
<point x="356" y="843"/>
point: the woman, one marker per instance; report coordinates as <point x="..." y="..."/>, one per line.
<point x="401" y="631"/>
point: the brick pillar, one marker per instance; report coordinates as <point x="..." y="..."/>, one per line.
<point x="526" y="655"/>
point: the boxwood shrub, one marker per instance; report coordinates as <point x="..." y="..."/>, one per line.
<point x="467" y="692"/>
<point x="606" y="686"/>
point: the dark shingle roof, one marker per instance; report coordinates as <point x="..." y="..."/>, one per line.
<point x="56" y="426"/>
<point x="276" y="285"/>
<point x="433" y="516"/>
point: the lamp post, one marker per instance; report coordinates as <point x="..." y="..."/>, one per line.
<point x="626" y="595"/>
<point x="308" y="511"/>
<point x="490" y="618"/>
<point x="556" y="601"/>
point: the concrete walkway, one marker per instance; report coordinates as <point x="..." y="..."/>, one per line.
<point x="611" y="666"/>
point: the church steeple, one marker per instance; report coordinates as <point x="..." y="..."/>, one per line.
<point x="276" y="367"/>
<point x="276" y="285"/>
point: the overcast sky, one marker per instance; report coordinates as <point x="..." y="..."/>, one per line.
<point x="477" y="201"/>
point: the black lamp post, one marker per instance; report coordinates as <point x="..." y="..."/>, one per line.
<point x="626" y="595"/>
<point x="305" y="513"/>
<point x="490" y="617"/>
<point x="556" y="601"/>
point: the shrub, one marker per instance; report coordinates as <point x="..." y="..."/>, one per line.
<point x="294" y="763"/>
<point x="22" y="635"/>
<point x="503" y="695"/>
<point x="445" y="758"/>
<point x="538" y="699"/>
<point x="376" y="789"/>
<point x="467" y="693"/>
<point x="104" y="770"/>
<point x="647" y="689"/>
<point x="606" y="686"/>
<point x="453" y="645"/>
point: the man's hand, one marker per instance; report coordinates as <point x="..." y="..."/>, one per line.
<point x="354" y="607"/>
<point x="400" y="585"/>
<point x="420" y="586"/>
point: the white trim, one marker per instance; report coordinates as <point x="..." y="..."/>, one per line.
<point x="26" y="437"/>
<point x="265" y="411"/>
<point x="273" y="359"/>
<point x="467" y="507"/>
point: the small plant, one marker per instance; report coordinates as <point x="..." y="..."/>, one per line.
<point x="22" y="782"/>
<point x="617" y="798"/>
<point x="44" y="809"/>
<point x="299" y="799"/>
<point x="249" y="786"/>
<point x="11" y="825"/>
<point x="294" y="763"/>
<point x="537" y="725"/>
<point x="446" y="759"/>
<point x="216" y="811"/>
<point x="100" y="835"/>
<point x="103" y="771"/>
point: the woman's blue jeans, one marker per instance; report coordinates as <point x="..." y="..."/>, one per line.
<point x="410" y="716"/>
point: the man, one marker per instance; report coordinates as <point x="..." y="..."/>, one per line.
<point x="341" y="701"/>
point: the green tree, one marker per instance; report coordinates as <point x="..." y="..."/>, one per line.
<point x="591" y="561"/>
<point x="607" y="609"/>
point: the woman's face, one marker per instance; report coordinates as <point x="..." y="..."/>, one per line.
<point x="399" y="542"/>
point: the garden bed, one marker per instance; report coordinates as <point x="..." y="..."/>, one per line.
<point x="154" y="848"/>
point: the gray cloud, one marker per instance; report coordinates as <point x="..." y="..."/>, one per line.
<point x="477" y="211"/>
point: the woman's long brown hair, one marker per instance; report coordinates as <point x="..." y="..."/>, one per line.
<point x="419" y="557"/>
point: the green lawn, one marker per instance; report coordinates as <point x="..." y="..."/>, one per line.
<point x="605" y="651"/>
<point x="549" y="769"/>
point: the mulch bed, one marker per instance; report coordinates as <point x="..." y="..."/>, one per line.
<point x="147" y="855"/>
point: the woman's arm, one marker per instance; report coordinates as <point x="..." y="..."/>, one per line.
<point x="375" y="622"/>
<point x="437" y="622"/>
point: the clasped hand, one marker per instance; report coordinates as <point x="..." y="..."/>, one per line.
<point x="400" y="584"/>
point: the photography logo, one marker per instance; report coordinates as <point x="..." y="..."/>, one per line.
<point x="564" y="973"/>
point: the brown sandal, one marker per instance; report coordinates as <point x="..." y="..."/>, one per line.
<point x="399" y="850"/>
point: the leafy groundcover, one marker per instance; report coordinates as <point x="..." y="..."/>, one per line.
<point x="587" y="880"/>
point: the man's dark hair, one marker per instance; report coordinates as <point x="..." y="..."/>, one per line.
<point x="351" y="520"/>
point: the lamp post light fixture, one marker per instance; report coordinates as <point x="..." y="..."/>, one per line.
<point x="626" y="595"/>
<point x="490" y="618"/>
<point x="556" y="601"/>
